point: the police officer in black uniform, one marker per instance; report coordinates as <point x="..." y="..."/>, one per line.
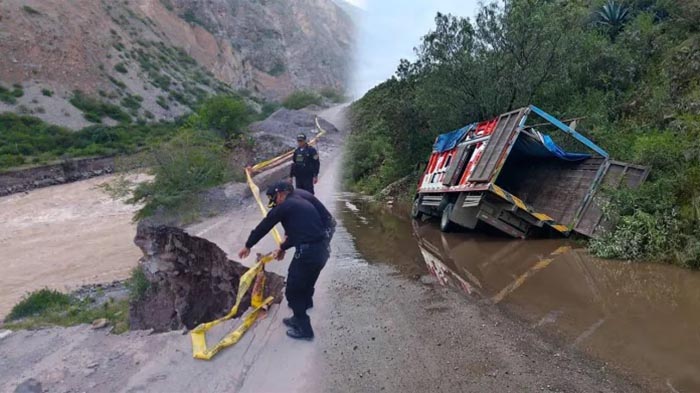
<point x="306" y="224"/>
<point x="305" y="165"/>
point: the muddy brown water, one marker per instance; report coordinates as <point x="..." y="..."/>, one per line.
<point x="642" y="319"/>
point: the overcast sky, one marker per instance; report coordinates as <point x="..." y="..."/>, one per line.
<point x="390" y="29"/>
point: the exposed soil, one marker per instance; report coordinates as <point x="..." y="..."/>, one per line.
<point x="191" y="280"/>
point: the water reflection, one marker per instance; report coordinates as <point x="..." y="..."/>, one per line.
<point x="642" y="318"/>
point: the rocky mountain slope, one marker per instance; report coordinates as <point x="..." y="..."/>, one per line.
<point x="155" y="58"/>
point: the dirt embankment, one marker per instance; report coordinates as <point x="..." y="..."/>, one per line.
<point x="68" y="171"/>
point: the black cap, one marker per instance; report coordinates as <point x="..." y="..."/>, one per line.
<point x="301" y="137"/>
<point x="279" y="186"/>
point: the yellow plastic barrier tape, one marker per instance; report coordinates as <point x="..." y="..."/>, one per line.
<point x="255" y="277"/>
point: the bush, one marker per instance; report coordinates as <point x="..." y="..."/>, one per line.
<point x="94" y="110"/>
<point x="30" y="10"/>
<point x="47" y="92"/>
<point x="24" y="138"/>
<point x="37" y="302"/>
<point x="301" y="99"/>
<point x="137" y="284"/>
<point x="186" y="165"/>
<point x="9" y="96"/>
<point x="334" y="95"/>
<point x="121" y="68"/>
<point x="227" y="115"/>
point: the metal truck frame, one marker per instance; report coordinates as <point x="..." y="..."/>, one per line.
<point x="500" y="173"/>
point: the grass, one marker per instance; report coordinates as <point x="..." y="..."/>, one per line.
<point x="30" y="10"/>
<point x="26" y="139"/>
<point x="47" y="307"/>
<point x="301" y="99"/>
<point x="10" y="96"/>
<point x="94" y="110"/>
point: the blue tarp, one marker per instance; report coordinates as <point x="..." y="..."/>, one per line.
<point x="543" y="147"/>
<point x="561" y="153"/>
<point x="448" y="141"/>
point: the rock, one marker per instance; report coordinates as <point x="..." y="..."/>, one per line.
<point x="100" y="323"/>
<point x="190" y="283"/>
<point x="428" y="280"/>
<point x="5" y="333"/>
<point x="31" y="385"/>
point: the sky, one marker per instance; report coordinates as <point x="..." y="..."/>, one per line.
<point x="390" y="29"/>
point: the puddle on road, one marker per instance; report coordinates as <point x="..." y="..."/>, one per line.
<point x="641" y="318"/>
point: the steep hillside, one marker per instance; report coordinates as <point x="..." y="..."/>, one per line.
<point x="153" y="59"/>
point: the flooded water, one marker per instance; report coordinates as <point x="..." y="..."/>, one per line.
<point x="642" y="319"/>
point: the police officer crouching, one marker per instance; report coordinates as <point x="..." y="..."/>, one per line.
<point x="308" y="227"/>
<point x="305" y="165"/>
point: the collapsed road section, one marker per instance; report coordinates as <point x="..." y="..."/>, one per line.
<point x="190" y="280"/>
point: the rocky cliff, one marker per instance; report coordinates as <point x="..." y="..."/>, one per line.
<point x="155" y="58"/>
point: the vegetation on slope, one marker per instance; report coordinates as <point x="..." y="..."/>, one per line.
<point x="631" y="68"/>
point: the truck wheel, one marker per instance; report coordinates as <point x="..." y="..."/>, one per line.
<point x="415" y="209"/>
<point x="445" y="224"/>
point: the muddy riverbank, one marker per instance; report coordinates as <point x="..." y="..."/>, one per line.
<point x="639" y="319"/>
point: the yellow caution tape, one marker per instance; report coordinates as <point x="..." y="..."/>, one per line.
<point x="255" y="277"/>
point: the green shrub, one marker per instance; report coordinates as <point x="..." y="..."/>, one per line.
<point x="227" y="115"/>
<point x="37" y="302"/>
<point x="30" y="10"/>
<point x="47" y="92"/>
<point x="333" y="95"/>
<point x="162" y="102"/>
<point x="132" y="102"/>
<point x="191" y="162"/>
<point x="137" y="284"/>
<point x="9" y="96"/>
<point x="121" y="68"/>
<point x="94" y="110"/>
<point x="28" y="139"/>
<point x="301" y="99"/>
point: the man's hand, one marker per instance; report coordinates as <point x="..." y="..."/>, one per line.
<point x="243" y="254"/>
<point x="315" y="179"/>
<point x="279" y="254"/>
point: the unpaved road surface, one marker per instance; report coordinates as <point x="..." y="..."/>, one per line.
<point x="376" y="332"/>
<point x="62" y="237"/>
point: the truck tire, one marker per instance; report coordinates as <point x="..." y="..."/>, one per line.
<point x="446" y="225"/>
<point x="415" y="209"/>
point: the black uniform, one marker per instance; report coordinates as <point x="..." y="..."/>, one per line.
<point x="305" y="166"/>
<point x="305" y="230"/>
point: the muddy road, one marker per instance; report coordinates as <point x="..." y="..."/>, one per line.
<point x="383" y="322"/>
<point x="638" y="319"/>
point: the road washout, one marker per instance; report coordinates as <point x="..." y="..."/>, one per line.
<point x="639" y="318"/>
<point x="376" y="330"/>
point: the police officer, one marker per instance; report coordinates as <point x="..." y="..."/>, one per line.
<point x="304" y="221"/>
<point x="305" y="165"/>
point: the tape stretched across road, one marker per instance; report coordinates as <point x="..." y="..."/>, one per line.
<point x="254" y="277"/>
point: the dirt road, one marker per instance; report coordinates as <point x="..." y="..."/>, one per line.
<point x="62" y="237"/>
<point x="376" y="331"/>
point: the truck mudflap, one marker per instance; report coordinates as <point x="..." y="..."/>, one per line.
<point x="542" y="217"/>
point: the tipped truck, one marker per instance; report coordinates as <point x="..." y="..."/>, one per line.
<point x="509" y="174"/>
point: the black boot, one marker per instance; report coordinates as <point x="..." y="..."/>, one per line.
<point x="290" y="322"/>
<point x="300" y="334"/>
<point x="303" y="330"/>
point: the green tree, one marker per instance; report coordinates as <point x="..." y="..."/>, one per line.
<point x="227" y="115"/>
